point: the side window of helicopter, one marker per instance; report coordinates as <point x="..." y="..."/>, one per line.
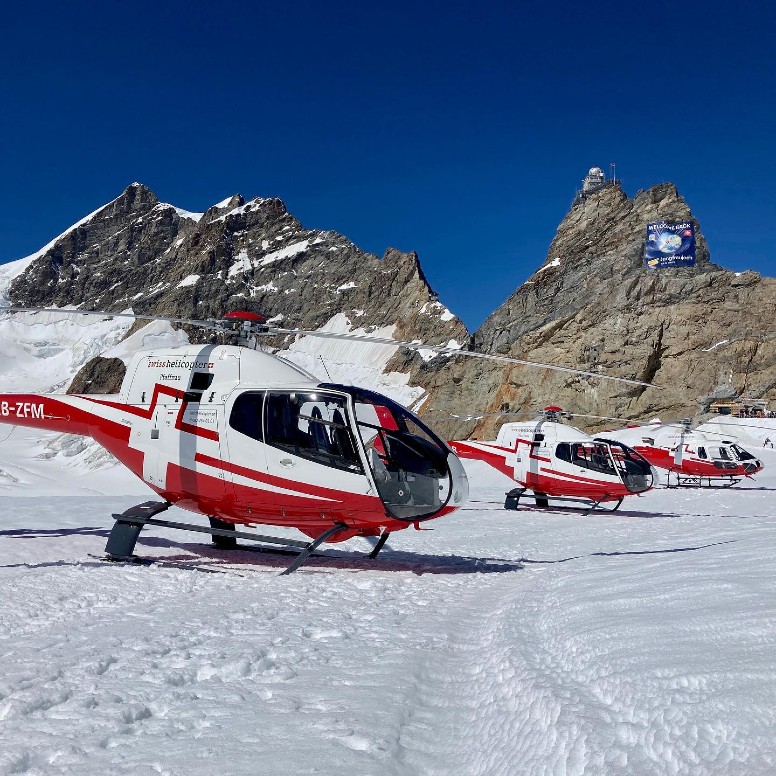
<point x="593" y="457"/>
<point x="702" y="453"/>
<point x="581" y="455"/>
<point x="246" y="414"/>
<point x="312" y="426"/>
<point x="723" y="453"/>
<point x="563" y="452"/>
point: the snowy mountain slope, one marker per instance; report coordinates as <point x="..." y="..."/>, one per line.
<point x="639" y="642"/>
<point x="42" y="352"/>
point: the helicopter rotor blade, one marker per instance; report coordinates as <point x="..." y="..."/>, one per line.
<point x="478" y="416"/>
<point x="448" y="351"/>
<point x="105" y="314"/>
<point x="274" y="330"/>
<point x="564" y="415"/>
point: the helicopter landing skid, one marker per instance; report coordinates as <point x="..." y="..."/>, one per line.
<point x="698" y="481"/>
<point x="512" y="501"/>
<point x="129" y="524"/>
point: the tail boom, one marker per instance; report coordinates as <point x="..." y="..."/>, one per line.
<point x="66" y="414"/>
<point x="53" y="413"/>
<point x="499" y="458"/>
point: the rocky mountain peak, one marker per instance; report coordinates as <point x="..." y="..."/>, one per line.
<point x="221" y="208"/>
<point x="139" y="253"/>
<point x="594" y="305"/>
<point x="136" y="198"/>
<point x="598" y="247"/>
<point x="407" y="264"/>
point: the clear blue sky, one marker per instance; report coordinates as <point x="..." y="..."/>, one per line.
<point x="457" y="130"/>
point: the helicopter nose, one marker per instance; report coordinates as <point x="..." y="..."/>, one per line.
<point x="459" y="481"/>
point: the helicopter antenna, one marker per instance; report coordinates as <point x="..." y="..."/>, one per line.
<point x="326" y="368"/>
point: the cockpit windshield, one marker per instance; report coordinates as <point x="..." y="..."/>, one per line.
<point x="415" y="473"/>
<point x="741" y="454"/>
<point x="633" y="469"/>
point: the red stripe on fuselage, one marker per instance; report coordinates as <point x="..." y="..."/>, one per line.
<point x="245" y="505"/>
<point x="147" y="414"/>
<point x="355" y="500"/>
<point x="495" y="459"/>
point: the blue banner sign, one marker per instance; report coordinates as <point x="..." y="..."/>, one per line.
<point x="670" y="244"/>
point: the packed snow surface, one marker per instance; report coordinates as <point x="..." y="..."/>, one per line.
<point x="638" y="642"/>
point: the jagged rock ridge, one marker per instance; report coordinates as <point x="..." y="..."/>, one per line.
<point x="157" y="259"/>
<point x="593" y="305"/>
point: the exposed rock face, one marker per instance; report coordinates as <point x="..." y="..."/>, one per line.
<point x="99" y="375"/>
<point x="594" y="305"/>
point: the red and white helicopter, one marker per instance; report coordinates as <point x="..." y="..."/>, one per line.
<point x="691" y="457"/>
<point x="245" y="437"/>
<point x="556" y="460"/>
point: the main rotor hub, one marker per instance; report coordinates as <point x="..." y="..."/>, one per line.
<point x="554" y="414"/>
<point x="244" y="323"/>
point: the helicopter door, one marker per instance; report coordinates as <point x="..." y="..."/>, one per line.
<point x="311" y="455"/>
<point x="185" y="437"/>
<point x="162" y="444"/>
<point x="244" y="448"/>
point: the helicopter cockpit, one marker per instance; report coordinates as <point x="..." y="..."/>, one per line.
<point x="605" y="456"/>
<point x="415" y="472"/>
<point x="344" y="428"/>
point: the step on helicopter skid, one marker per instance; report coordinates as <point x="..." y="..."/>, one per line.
<point x="246" y="438"/>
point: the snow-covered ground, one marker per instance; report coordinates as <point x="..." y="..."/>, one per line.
<point x="640" y="642"/>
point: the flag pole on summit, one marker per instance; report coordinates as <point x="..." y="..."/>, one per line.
<point x="614" y="174"/>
